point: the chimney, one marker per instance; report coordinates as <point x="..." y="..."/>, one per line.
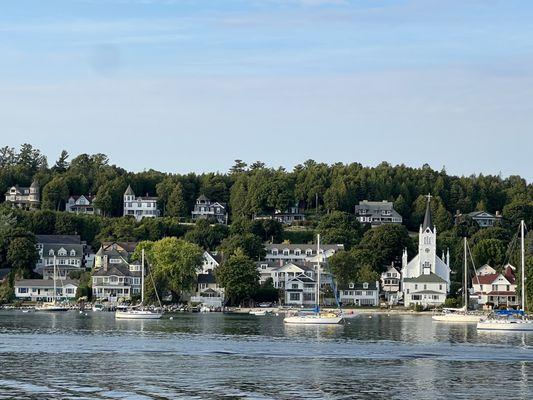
<point x="105" y="263"/>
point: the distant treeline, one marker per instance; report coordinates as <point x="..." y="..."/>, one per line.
<point x="257" y="189"/>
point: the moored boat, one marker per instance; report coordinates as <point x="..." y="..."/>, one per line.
<point x="511" y="320"/>
<point x="137" y="312"/>
<point x="316" y="317"/>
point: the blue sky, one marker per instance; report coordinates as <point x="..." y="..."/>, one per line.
<point x="191" y="85"/>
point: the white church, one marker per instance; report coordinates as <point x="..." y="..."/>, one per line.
<point x="426" y="278"/>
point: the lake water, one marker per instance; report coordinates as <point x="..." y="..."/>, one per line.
<point x="215" y="356"/>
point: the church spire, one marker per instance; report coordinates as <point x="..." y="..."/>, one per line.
<point x="428" y="221"/>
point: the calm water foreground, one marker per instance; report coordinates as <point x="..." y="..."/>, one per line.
<point x="215" y="356"/>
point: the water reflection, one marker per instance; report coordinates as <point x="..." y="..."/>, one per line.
<point x="72" y="355"/>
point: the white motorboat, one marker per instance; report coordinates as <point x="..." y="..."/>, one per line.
<point x="511" y="320"/>
<point x="52" y="306"/>
<point x="98" y="307"/>
<point x="258" y="312"/>
<point x="316" y="317"/>
<point x="460" y="315"/>
<point x="138" y="312"/>
<point x="457" y="315"/>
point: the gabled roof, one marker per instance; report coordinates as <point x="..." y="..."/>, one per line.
<point x="206" y="278"/>
<point x="477" y="214"/>
<point x="58" y="239"/>
<point x="426" y="278"/>
<point x="49" y="283"/>
<point x="117" y="270"/>
<point x="359" y="286"/>
<point x="302" y="278"/>
<point x="129" y="191"/>
<point x="216" y="257"/>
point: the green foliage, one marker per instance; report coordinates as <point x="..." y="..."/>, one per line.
<point x="176" y="205"/>
<point x="340" y="227"/>
<point x="173" y="264"/>
<point x="452" y="302"/>
<point x="238" y="276"/>
<point x="490" y="251"/>
<point x="7" y="292"/>
<point x="22" y="254"/>
<point x="251" y="245"/>
<point x="266" y="292"/>
<point x="206" y="235"/>
<point x="55" y="193"/>
<point x="385" y="245"/>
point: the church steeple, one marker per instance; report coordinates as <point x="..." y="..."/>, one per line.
<point x="428" y="221"/>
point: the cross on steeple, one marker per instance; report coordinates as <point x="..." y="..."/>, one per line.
<point x="429" y="196"/>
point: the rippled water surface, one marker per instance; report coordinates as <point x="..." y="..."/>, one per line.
<point x="215" y="356"/>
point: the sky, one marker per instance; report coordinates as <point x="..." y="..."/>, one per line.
<point x="191" y="85"/>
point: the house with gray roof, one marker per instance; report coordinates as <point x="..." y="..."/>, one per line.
<point x="27" y="198"/>
<point x="207" y="209"/>
<point x="300" y="291"/>
<point x="208" y="292"/>
<point x="43" y="289"/>
<point x="299" y="253"/>
<point x="83" y="204"/>
<point x="359" y="294"/>
<point x="68" y="252"/>
<point x="117" y="282"/>
<point x="139" y="207"/>
<point x="116" y="253"/>
<point x="377" y="213"/>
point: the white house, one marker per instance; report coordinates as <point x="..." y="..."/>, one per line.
<point x="139" y="207"/>
<point x="208" y="292"/>
<point x="68" y="251"/>
<point x="360" y="294"/>
<point x="115" y="253"/>
<point x="390" y="285"/>
<point x="81" y="205"/>
<point x="377" y="213"/>
<point x="43" y="289"/>
<point x="27" y="198"/>
<point x="210" y="262"/>
<point x="426" y="278"/>
<point x="117" y="282"/>
<point x="300" y="253"/>
<point x="493" y="289"/>
<point x="300" y="291"/>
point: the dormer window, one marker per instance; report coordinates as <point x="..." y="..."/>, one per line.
<point x="365" y="285"/>
<point x="297" y="252"/>
<point x="275" y="252"/>
<point x="286" y="252"/>
<point x="62" y="252"/>
<point x="73" y="253"/>
<point x="309" y="252"/>
<point x="351" y="285"/>
<point x="51" y="253"/>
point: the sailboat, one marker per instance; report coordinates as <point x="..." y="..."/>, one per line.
<point x="137" y="312"/>
<point x="511" y="320"/>
<point x="53" y="305"/>
<point x="460" y="314"/>
<point x="315" y="317"/>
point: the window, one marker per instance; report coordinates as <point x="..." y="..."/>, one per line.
<point x="425" y="287"/>
<point x="350" y="285"/>
<point x="294" y="296"/>
<point x="416" y="286"/>
<point x="416" y="297"/>
<point x="509" y="287"/>
<point x="309" y="252"/>
<point x="23" y="290"/>
<point x="440" y="287"/>
<point x="295" y="286"/>
<point x="297" y="252"/>
<point x="73" y="253"/>
<point x="51" y="253"/>
<point x="285" y="252"/>
<point x="365" y="285"/>
<point x="275" y="252"/>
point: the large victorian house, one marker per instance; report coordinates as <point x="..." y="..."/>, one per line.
<point x="27" y="198"/>
<point x="426" y="278"/>
<point x="493" y="289"/>
<point x="139" y="207"/>
<point x="207" y="209"/>
<point x="81" y="205"/>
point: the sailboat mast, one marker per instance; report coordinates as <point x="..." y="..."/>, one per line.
<point x="55" y="289"/>
<point x="523" y="262"/>
<point x="318" y="271"/>
<point x="142" y="277"/>
<point x="465" y="278"/>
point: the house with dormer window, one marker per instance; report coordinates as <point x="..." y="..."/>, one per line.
<point x="117" y="282"/>
<point x="493" y="289"/>
<point x="67" y="251"/>
<point x="83" y="204"/>
<point x="377" y="213"/>
<point x="359" y="294"/>
<point x="207" y="209"/>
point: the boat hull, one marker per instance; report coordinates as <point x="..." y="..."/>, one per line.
<point x="137" y="315"/>
<point x="464" y="318"/>
<point x="312" y="320"/>
<point x="505" y="326"/>
<point x="52" y="309"/>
